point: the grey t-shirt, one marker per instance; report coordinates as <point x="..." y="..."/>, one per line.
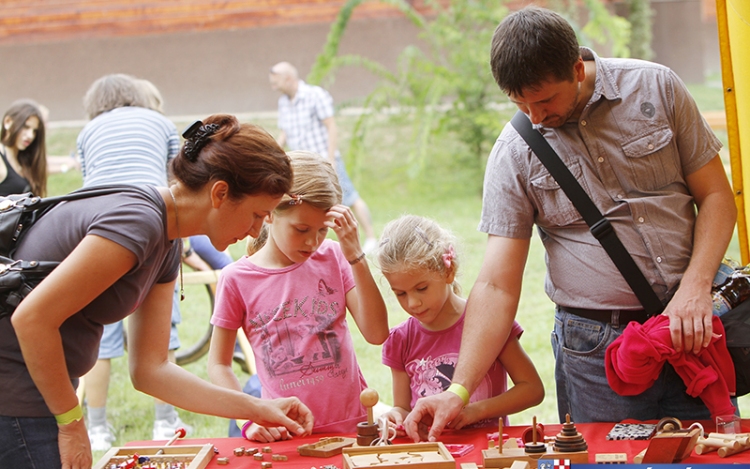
<point x="135" y="220"/>
<point x="637" y="139"/>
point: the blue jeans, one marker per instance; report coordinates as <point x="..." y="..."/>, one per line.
<point x="29" y="443"/>
<point x="579" y="345"/>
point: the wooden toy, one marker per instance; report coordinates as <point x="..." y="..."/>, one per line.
<point x="239" y="451"/>
<point x="611" y="458"/>
<point x="267" y="449"/>
<point x="266" y="465"/>
<point x="278" y="457"/>
<point x="222" y="461"/>
<point x="520" y="465"/>
<point x="417" y="455"/>
<point x="258" y="456"/>
<point x="191" y="456"/>
<point x="670" y="447"/>
<point x="326" y="447"/>
<point x="250" y="451"/>
<point x="367" y="432"/>
<point x="569" y="444"/>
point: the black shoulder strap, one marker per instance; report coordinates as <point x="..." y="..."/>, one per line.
<point x="19" y="212"/>
<point x="599" y="226"/>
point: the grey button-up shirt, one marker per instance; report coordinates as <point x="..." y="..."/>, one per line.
<point x="637" y="138"/>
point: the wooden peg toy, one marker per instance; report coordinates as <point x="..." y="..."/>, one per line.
<point x="179" y="433"/>
<point x="369" y="398"/>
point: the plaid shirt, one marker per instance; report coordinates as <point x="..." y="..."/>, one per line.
<point x="302" y="118"/>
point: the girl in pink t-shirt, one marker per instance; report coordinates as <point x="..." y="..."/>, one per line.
<point x="418" y="259"/>
<point x="290" y="296"/>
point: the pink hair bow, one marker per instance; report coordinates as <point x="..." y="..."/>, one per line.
<point x="449" y="255"/>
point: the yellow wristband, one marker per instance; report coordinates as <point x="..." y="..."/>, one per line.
<point x="459" y="391"/>
<point x="73" y="415"/>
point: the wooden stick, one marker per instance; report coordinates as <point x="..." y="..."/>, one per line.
<point x="724" y="452"/>
<point x="179" y="433"/>
<point x="719" y="443"/>
<point x="703" y="449"/>
<point x="500" y="435"/>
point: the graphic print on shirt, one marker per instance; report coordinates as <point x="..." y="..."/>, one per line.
<point x="298" y="337"/>
<point x="429" y="376"/>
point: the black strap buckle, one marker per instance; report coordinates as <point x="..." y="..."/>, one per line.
<point x="601" y="228"/>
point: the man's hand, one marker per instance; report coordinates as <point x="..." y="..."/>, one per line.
<point x="432" y="413"/>
<point x="690" y="318"/>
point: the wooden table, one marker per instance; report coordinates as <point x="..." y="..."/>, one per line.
<point x="594" y="433"/>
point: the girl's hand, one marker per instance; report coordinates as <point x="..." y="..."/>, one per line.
<point x="267" y="434"/>
<point x="344" y="225"/>
<point x="396" y="421"/>
<point x="74" y="445"/>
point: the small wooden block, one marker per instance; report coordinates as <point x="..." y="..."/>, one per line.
<point x="250" y="451"/>
<point x="611" y="458"/>
<point x="278" y="457"/>
<point x="266" y="465"/>
<point x="267" y="449"/>
<point x="258" y="456"/>
<point x="239" y="451"/>
<point x="222" y="461"/>
<point x="520" y="465"/>
<point x="365" y="460"/>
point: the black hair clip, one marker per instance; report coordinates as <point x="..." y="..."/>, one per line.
<point x="191" y="130"/>
<point x="196" y="137"/>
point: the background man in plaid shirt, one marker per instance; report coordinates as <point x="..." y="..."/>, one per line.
<point x="307" y="123"/>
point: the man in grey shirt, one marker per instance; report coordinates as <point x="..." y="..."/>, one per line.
<point x="633" y="137"/>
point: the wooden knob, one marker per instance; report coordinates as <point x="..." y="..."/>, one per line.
<point x="369" y="397"/>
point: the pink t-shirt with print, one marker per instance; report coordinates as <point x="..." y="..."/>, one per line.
<point x="429" y="359"/>
<point x="295" y="319"/>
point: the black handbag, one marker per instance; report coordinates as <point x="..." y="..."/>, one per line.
<point x="18" y="213"/>
<point x="736" y="322"/>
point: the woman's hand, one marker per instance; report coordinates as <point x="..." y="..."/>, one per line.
<point x="288" y="412"/>
<point x="75" y="448"/>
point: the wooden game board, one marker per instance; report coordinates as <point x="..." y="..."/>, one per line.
<point x="417" y="456"/>
<point x="195" y="457"/>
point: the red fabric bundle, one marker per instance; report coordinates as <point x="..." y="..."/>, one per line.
<point x="635" y="359"/>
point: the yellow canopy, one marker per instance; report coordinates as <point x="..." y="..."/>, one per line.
<point x="733" y="18"/>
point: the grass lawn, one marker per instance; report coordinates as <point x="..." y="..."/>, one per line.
<point x="448" y="191"/>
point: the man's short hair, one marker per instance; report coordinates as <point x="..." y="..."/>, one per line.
<point x="530" y="46"/>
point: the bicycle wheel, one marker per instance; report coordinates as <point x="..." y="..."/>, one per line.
<point x="195" y="329"/>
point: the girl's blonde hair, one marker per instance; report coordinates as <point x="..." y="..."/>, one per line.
<point x="414" y="242"/>
<point x="314" y="182"/>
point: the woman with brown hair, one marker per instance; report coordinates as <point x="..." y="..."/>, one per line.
<point x="23" y="150"/>
<point x="119" y="256"/>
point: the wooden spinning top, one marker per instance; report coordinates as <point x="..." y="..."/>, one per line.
<point x="534" y="447"/>
<point x="569" y="440"/>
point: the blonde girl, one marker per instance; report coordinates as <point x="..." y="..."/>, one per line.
<point x="291" y="294"/>
<point x="418" y="258"/>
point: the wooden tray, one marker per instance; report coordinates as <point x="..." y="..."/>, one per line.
<point x="198" y="456"/>
<point x="382" y="457"/>
<point x="326" y="447"/>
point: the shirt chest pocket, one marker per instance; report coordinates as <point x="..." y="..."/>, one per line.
<point x="555" y="208"/>
<point x="652" y="160"/>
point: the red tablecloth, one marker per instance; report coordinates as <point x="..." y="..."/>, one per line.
<point x="594" y="433"/>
